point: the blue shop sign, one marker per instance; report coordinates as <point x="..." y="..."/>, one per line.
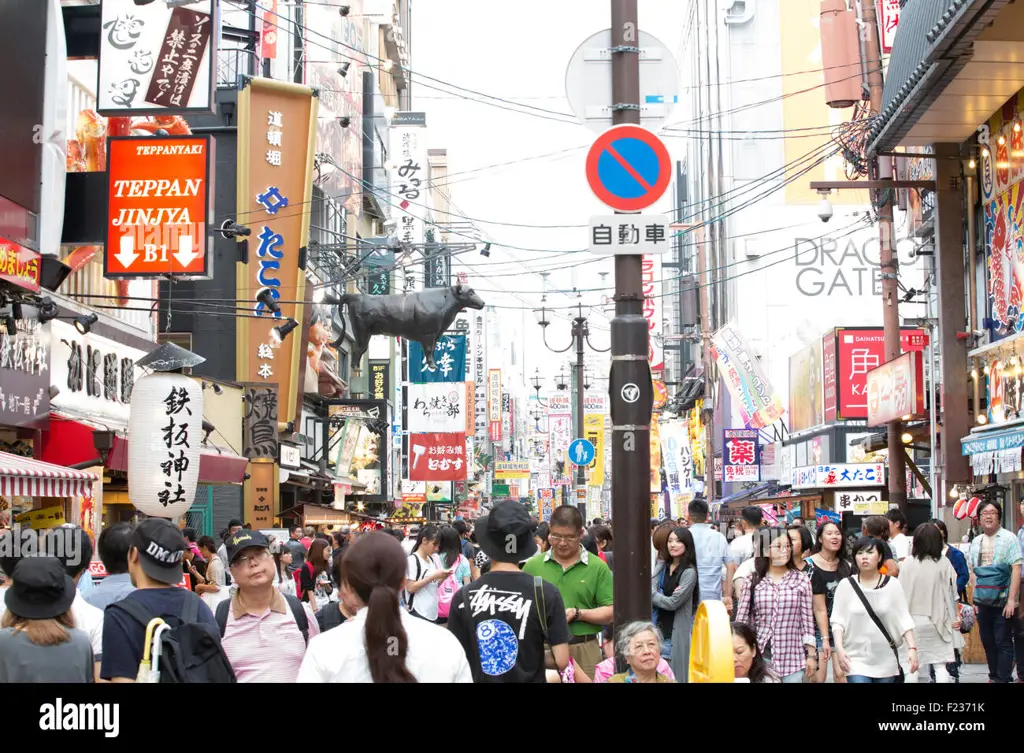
<point x="1006" y="440"/>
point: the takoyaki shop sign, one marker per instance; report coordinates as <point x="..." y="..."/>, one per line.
<point x="158" y="203"/>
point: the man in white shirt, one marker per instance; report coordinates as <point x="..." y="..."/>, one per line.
<point x="742" y="547"/>
<point x="714" y="565"/>
<point x="898" y="539"/>
<point x="410" y="540"/>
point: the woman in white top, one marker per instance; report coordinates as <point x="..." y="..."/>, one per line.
<point x="865" y="653"/>
<point x="284" y="579"/>
<point x="929" y="581"/>
<point x="381" y="642"/>
<point x="424" y="572"/>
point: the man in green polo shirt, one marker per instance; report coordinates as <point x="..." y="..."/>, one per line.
<point x="584" y="581"/>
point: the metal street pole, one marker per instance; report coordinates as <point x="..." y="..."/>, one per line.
<point x="888" y="261"/>
<point x="630" y="388"/>
<point x="708" y="414"/>
<point x="579" y="333"/>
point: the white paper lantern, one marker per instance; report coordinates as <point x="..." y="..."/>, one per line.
<point x="166" y="433"/>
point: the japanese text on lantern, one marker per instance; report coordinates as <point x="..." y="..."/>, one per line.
<point x="175" y="438"/>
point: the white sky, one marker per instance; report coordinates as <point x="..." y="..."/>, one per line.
<point x="519" y="51"/>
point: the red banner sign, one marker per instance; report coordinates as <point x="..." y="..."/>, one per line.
<point x="858" y="351"/>
<point x="896" y="390"/>
<point x="19" y="265"/>
<point x="437" y="457"/>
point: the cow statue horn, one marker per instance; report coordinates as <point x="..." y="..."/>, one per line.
<point x="422" y="316"/>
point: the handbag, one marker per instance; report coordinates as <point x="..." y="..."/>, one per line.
<point x="991" y="584"/>
<point x="878" y="622"/>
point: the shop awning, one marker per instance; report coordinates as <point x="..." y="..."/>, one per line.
<point x="216" y="464"/>
<point x="25" y="477"/>
<point x="992" y="440"/>
<point x="748" y="494"/>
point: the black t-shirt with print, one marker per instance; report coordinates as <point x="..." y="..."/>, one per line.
<point x="509" y="644"/>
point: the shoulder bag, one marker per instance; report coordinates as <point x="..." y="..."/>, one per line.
<point x="878" y="622"/>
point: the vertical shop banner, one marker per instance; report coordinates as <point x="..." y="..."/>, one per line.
<point x="259" y="423"/>
<point x="593" y="432"/>
<point x="480" y="380"/>
<point x="25" y="374"/>
<point x="806" y="409"/>
<point x="494" y="404"/>
<point x="896" y="390"/>
<point x="470" y="409"/>
<point x="506" y="417"/>
<point x="759" y="404"/>
<point x="276" y="141"/>
<point x="859" y="351"/>
<point x="157" y="59"/>
<point x="435" y="456"/>
<point x="740" y="455"/>
<point x="380" y="380"/>
<point x="653" y="311"/>
<point x="675" y="452"/>
<point x="261" y="493"/>
<point x="559" y="438"/>
<point x="409" y="178"/>
<point x="888" y="22"/>
<point x="269" y="23"/>
<point x="655" y="455"/>
<point x="449" y="361"/>
<point x="437" y="408"/>
<point x="829" y="387"/>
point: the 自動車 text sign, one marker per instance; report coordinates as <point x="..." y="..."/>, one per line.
<point x="629" y="234"/>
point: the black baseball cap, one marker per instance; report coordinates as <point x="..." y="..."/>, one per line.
<point x="161" y="548"/>
<point x="244" y="539"/>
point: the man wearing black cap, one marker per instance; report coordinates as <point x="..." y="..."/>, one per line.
<point x="503" y="618"/>
<point x="154" y="563"/>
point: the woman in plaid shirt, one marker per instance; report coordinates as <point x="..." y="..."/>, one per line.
<point x="776" y="600"/>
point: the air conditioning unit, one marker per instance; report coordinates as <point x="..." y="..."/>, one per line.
<point x="748" y="247"/>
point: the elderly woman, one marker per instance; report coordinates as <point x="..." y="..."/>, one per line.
<point x="640" y="644"/>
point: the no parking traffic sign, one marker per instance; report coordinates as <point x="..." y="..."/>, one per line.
<point x="628" y="168"/>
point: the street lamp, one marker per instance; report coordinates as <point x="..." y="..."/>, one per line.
<point x="580" y="334"/>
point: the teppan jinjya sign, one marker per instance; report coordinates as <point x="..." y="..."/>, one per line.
<point x="276" y="141"/>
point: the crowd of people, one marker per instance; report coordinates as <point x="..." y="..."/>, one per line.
<point x="512" y="599"/>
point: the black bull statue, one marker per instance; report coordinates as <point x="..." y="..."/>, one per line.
<point x="422" y="317"/>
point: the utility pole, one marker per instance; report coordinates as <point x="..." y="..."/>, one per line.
<point x="630" y="388"/>
<point x="708" y="415"/>
<point x="888" y="261"/>
<point x="579" y="332"/>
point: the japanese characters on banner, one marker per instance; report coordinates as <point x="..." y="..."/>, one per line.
<point x="155" y="59"/>
<point x="494" y="404"/>
<point x="166" y="429"/>
<point x="437" y="457"/>
<point x="651" y="281"/>
<point x="655" y="441"/>
<point x="276" y="140"/>
<point x="888" y="22"/>
<point x="675" y="453"/>
<point x="506" y="418"/>
<point x="480" y="380"/>
<point x="593" y="432"/>
<point x="19" y="265"/>
<point x="896" y="390"/>
<point x="158" y="203"/>
<point x="740" y="455"/>
<point x="838" y="475"/>
<point x="759" y="404"/>
<point x="595" y="403"/>
<point x="24" y="374"/>
<point x="449" y="361"/>
<point x="860" y="502"/>
<point x="512" y="469"/>
<point x="559" y="437"/>
<point x="259" y="423"/>
<point x="437" y="407"/>
<point x="409" y="177"/>
<point x="560" y="402"/>
<point x="857" y="352"/>
<point x="380" y="380"/>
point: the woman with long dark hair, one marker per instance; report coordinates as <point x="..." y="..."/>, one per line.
<point x="776" y="600"/>
<point x="831" y="564"/>
<point x="424" y="572"/>
<point x="314" y="579"/>
<point x="381" y="642"/>
<point x="282" y="565"/>
<point x="747" y="662"/>
<point x="803" y="545"/>
<point x="675" y="596"/>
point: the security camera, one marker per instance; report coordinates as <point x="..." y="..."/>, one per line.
<point x="824" y="209"/>
<point x="912" y="253"/>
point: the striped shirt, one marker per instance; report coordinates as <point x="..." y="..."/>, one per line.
<point x="266" y="647"/>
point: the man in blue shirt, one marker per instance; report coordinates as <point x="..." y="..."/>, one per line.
<point x="154" y="564"/>
<point x="113" y="546"/>
<point x="714" y="563"/>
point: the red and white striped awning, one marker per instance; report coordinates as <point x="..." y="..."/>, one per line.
<point x="25" y="477"/>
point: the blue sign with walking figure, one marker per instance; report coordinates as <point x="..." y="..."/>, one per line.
<point x="581" y="452"/>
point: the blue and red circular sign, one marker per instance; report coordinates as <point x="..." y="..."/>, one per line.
<point x="628" y="168"/>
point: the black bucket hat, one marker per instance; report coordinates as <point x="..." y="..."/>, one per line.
<point x="42" y="589"/>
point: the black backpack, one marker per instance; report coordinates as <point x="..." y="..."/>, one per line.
<point x="189" y="653"/>
<point x="293" y="603"/>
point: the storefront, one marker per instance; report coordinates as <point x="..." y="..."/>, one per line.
<point x="996" y="467"/>
<point x="39" y="495"/>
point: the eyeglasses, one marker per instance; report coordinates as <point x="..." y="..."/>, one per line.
<point x="560" y="537"/>
<point x="245" y="559"/>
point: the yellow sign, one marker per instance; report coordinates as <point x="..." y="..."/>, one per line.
<point x="655" y="456"/>
<point x="512" y="469"/>
<point x="593" y="432"/>
<point x="711" y="645"/>
<point x="47" y="517"/>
